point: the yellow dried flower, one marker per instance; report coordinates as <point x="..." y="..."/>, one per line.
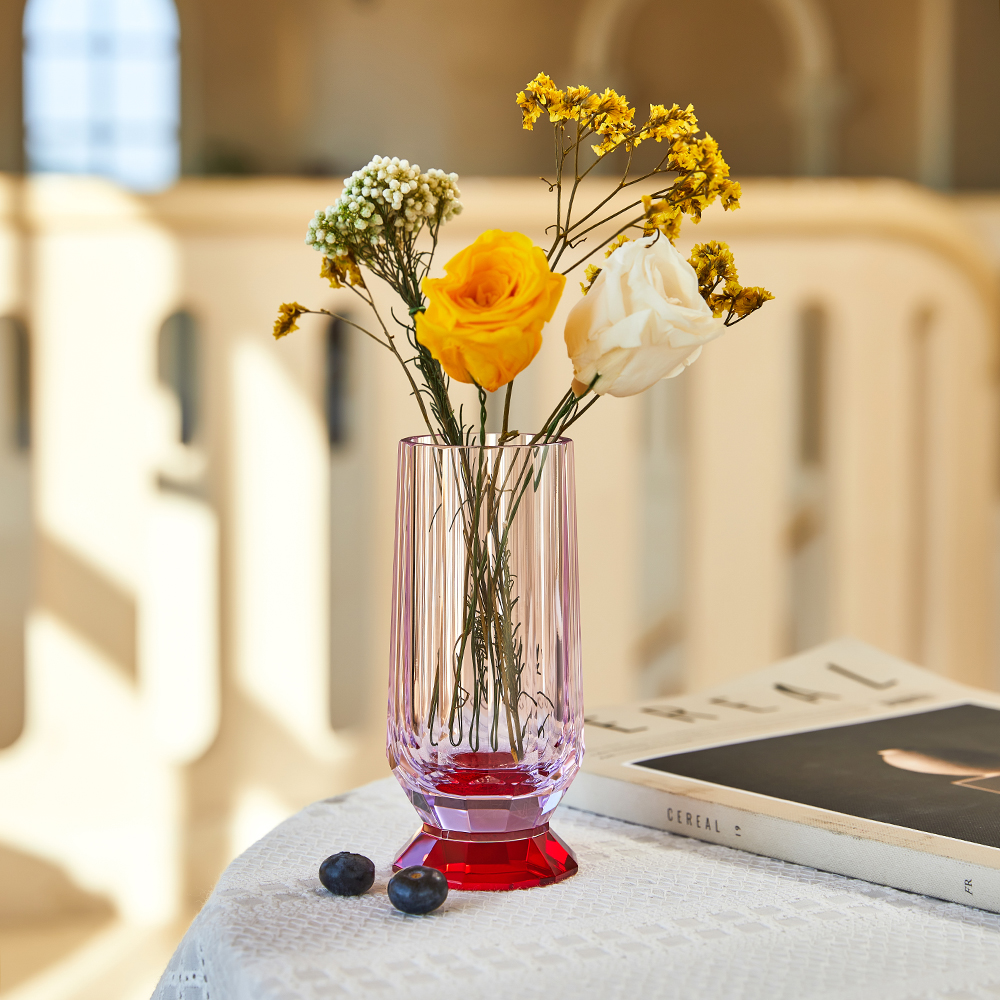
<point x="610" y="117"/>
<point x="589" y="277"/>
<point x="610" y="142"/>
<point x="722" y="302"/>
<point x="287" y="321"/>
<point x="730" y="193"/>
<point x="668" y="123"/>
<point x="749" y="300"/>
<point x="619" y="241"/>
<point x="704" y="176"/>
<point x="713" y="263"/>
<point x="531" y="110"/>
<point x="342" y="271"/>
<point x="592" y="271"/>
<point x="542" y="85"/>
<point x="662" y="216"/>
<point x="572" y="103"/>
<point x="613" y="109"/>
<point x="540" y="94"/>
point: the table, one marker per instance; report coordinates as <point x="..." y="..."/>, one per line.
<point x="650" y="914"/>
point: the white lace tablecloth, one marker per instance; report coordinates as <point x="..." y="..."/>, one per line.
<point x="650" y="914"/>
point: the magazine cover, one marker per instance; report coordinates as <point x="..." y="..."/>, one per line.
<point x="842" y="758"/>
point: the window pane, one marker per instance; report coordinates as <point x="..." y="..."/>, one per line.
<point x="102" y="89"/>
<point x="71" y="15"/>
<point x="179" y="369"/>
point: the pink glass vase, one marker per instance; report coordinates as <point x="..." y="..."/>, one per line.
<point x="485" y="729"/>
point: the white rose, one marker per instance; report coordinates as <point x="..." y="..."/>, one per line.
<point x="642" y="320"/>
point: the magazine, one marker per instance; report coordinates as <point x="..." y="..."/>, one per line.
<point x="842" y="758"/>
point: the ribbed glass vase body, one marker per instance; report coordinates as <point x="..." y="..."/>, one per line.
<point x="485" y="726"/>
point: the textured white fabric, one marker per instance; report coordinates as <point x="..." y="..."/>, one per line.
<point x="649" y="914"/>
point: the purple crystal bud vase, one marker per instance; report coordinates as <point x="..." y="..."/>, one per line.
<point x="485" y="725"/>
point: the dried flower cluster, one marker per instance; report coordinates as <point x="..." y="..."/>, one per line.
<point x="698" y="173"/>
<point x="386" y="205"/>
<point x="713" y="263"/>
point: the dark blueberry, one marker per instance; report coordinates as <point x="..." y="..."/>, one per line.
<point x="347" y="874"/>
<point x="418" y="889"/>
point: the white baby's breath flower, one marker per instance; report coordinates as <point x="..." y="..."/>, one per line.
<point x="387" y="193"/>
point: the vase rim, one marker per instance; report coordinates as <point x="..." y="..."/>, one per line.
<point x="426" y="441"/>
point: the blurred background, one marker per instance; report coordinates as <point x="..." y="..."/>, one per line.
<point x="196" y="522"/>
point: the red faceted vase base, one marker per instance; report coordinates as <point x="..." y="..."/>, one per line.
<point x="491" y="861"/>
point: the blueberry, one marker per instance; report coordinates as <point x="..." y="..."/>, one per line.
<point x="347" y="874"/>
<point x="418" y="889"/>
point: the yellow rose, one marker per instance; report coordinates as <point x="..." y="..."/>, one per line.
<point x="484" y="321"/>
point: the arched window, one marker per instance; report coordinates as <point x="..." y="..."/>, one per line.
<point x="335" y="390"/>
<point x="15" y="522"/>
<point x="15" y="363"/>
<point x="179" y="369"/>
<point x="809" y="566"/>
<point x="101" y="89"/>
<point x="812" y="386"/>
